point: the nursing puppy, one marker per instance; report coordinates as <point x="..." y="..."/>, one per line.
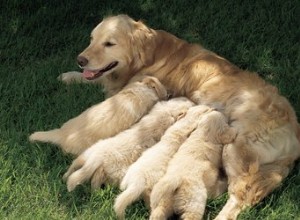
<point x="106" y="119"/>
<point x="193" y="173"/>
<point x="150" y="167"/>
<point x="108" y="159"/>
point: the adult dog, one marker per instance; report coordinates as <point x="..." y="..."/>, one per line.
<point x="268" y="140"/>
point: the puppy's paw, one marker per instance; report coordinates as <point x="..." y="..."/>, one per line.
<point x="75" y="179"/>
<point x="157" y="214"/>
<point x="70" y="77"/>
<point x="76" y="165"/>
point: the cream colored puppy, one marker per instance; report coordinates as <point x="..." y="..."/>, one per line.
<point x="106" y="119"/>
<point x="150" y="167"/>
<point x="108" y="160"/>
<point x="193" y="173"/>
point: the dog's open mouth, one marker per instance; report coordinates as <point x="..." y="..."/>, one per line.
<point x="93" y="74"/>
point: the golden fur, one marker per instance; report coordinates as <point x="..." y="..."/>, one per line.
<point x="106" y="119"/>
<point x="108" y="160"/>
<point x="268" y="131"/>
<point x="150" y="167"/>
<point x="193" y="174"/>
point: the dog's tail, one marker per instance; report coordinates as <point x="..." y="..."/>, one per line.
<point x="163" y="189"/>
<point x="52" y="136"/>
<point x="127" y="197"/>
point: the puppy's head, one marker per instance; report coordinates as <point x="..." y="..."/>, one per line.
<point x="156" y="85"/>
<point x="217" y="129"/>
<point x="177" y="107"/>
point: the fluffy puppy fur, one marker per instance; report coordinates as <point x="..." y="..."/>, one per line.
<point x="146" y="171"/>
<point x="193" y="173"/>
<point x="108" y="160"/>
<point x="106" y="119"/>
<point x="268" y="131"/>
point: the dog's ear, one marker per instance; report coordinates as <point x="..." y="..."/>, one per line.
<point x="155" y="84"/>
<point x="143" y="41"/>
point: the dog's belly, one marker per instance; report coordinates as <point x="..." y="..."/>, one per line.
<point x="267" y="130"/>
<point x="277" y="144"/>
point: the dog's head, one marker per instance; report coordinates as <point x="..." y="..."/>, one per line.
<point x="118" y="45"/>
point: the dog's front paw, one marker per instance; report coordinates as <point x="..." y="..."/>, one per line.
<point x="70" y="77"/>
<point x="36" y="136"/>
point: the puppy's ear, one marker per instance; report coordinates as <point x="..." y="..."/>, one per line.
<point x="228" y="135"/>
<point x="155" y="84"/>
<point x="143" y="42"/>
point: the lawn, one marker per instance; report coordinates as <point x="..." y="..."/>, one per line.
<point x="41" y="39"/>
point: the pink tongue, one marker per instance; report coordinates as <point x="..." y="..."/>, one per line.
<point x="88" y="74"/>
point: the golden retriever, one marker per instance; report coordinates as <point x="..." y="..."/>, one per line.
<point x="108" y="159"/>
<point x="151" y="166"/>
<point x="193" y="173"/>
<point x="268" y="131"/>
<point x="106" y="119"/>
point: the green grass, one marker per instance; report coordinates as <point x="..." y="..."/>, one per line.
<point x="40" y="40"/>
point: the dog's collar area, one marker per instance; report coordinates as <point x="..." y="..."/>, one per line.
<point x="91" y="75"/>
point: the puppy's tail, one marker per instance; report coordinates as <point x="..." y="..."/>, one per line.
<point x="163" y="189"/>
<point x="52" y="136"/>
<point x="126" y="198"/>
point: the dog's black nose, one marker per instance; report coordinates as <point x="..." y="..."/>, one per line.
<point x="82" y="61"/>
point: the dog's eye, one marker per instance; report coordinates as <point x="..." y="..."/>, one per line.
<point x="108" y="44"/>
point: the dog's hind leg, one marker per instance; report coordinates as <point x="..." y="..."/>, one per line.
<point x="249" y="189"/>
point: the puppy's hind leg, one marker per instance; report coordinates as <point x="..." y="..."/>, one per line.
<point x="52" y="136"/>
<point x="76" y="165"/>
<point x="98" y="178"/>
<point x="163" y="210"/>
<point x="191" y="202"/>
<point x="127" y="197"/>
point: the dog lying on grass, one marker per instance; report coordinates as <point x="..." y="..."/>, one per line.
<point x="268" y="131"/>
<point x="108" y="159"/>
<point x="193" y="174"/>
<point x="150" y="167"/>
<point x="106" y="119"/>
